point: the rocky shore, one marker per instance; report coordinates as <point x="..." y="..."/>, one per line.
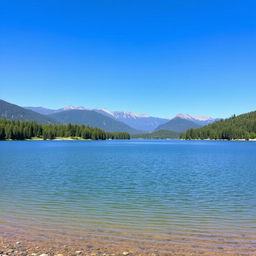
<point x="20" y="249"/>
<point x="49" y="244"/>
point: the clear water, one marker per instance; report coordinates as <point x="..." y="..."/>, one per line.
<point x="175" y="189"/>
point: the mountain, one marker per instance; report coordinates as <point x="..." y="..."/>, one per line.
<point x="201" y="120"/>
<point x="178" y="124"/>
<point x="93" y="119"/>
<point x="161" y="134"/>
<point x="236" y="127"/>
<point x="14" y="112"/>
<point x="137" y="121"/>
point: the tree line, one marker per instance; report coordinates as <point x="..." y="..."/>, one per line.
<point x="161" y="134"/>
<point x="235" y="127"/>
<point x="20" y="130"/>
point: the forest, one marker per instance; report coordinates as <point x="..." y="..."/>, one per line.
<point x="20" y="130"/>
<point x="233" y="128"/>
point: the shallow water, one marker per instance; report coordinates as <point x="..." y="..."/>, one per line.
<point x="186" y="193"/>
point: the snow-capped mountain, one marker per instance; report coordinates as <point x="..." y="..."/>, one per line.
<point x="120" y="114"/>
<point x="201" y="120"/>
<point x="72" y="108"/>
<point x="138" y="121"/>
<point x="129" y="115"/>
<point x="104" y="111"/>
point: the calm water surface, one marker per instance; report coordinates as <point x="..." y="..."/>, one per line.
<point x="186" y="191"/>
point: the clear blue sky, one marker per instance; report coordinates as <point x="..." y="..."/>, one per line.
<point x="155" y="57"/>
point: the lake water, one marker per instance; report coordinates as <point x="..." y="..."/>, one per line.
<point x="198" y="196"/>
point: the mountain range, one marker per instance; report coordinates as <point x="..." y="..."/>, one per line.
<point x="125" y="121"/>
<point x="142" y="122"/>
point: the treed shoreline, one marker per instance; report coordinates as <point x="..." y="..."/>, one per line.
<point x="236" y="128"/>
<point x="242" y="127"/>
<point x="19" y="130"/>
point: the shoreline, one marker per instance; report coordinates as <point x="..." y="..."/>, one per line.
<point x="59" y="139"/>
<point x="13" y="245"/>
<point x="217" y="140"/>
<point x="81" y="139"/>
<point x="55" y="139"/>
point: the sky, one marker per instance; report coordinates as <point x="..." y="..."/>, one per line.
<point x="155" y="57"/>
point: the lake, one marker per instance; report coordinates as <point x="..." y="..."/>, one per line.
<point x="149" y="195"/>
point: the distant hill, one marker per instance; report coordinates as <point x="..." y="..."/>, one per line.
<point x="236" y="127"/>
<point x="161" y="134"/>
<point x="42" y="111"/>
<point x="178" y="124"/>
<point x="93" y="119"/>
<point x="14" y="112"/>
